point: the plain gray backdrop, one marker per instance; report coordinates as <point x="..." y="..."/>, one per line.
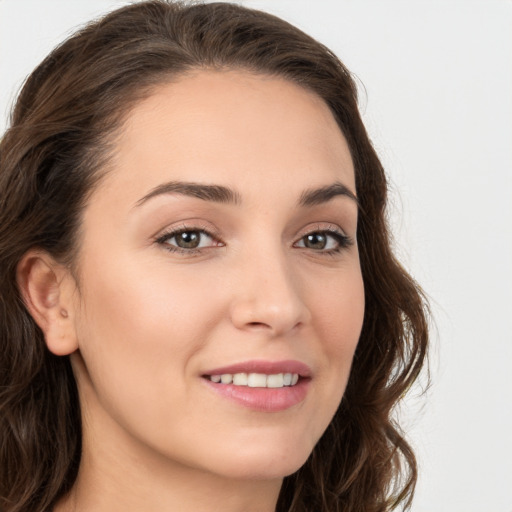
<point x="436" y="95"/>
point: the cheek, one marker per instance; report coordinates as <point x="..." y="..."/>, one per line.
<point x="338" y="318"/>
<point x="139" y="340"/>
<point x="139" y="328"/>
<point x="338" y="313"/>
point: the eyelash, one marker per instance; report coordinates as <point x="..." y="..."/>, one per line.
<point x="162" y="239"/>
<point x="343" y="241"/>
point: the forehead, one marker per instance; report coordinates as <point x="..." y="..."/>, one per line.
<point x="234" y="128"/>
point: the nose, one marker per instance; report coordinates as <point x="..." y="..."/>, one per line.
<point x="268" y="297"/>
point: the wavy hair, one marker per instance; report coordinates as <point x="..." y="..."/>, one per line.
<point x="52" y="156"/>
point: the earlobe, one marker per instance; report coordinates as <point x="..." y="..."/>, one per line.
<point x="44" y="285"/>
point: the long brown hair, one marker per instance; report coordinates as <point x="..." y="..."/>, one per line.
<point x="52" y="156"/>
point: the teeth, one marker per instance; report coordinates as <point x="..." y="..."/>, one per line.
<point x="227" y="378"/>
<point x="240" y="379"/>
<point x="275" y="381"/>
<point x="257" y="380"/>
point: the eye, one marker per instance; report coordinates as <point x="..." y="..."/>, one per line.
<point x="328" y="241"/>
<point x="187" y="240"/>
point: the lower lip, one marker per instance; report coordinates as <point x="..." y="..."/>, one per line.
<point x="263" y="399"/>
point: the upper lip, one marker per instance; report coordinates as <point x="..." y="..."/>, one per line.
<point x="266" y="367"/>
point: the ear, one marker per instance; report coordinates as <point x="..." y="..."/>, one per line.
<point x="48" y="290"/>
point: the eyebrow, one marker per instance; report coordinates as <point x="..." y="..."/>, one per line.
<point x="215" y="193"/>
<point x="316" y="196"/>
<point x="222" y="194"/>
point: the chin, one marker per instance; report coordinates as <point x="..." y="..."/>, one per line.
<point x="263" y="463"/>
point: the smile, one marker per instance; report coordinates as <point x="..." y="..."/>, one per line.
<point x="264" y="386"/>
<point x="257" y="380"/>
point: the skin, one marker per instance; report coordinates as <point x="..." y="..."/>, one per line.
<point x="144" y="322"/>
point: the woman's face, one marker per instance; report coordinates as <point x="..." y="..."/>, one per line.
<point x="222" y="246"/>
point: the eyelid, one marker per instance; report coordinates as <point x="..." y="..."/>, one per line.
<point x="191" y="224"/>
<point x="327" y="227"/>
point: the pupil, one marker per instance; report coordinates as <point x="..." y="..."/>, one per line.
<point x="188" y="239"/>
<point x="316" y="241"/>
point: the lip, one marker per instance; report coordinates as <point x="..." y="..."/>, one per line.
<point x="262" y="399"/>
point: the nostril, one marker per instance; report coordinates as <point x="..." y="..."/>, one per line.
<point x="257" y="324"/>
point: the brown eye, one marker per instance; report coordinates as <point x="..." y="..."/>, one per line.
<point x="315" y="241"/>
<point x="326" y="241"/>
<point x="188" y="239"/>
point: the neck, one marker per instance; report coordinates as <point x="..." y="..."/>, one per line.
<point x="144" y="491"/>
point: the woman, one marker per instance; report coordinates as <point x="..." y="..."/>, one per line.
<point x="200" y="308"/>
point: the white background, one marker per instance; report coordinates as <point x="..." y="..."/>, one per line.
<point x="437" y="100"/>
